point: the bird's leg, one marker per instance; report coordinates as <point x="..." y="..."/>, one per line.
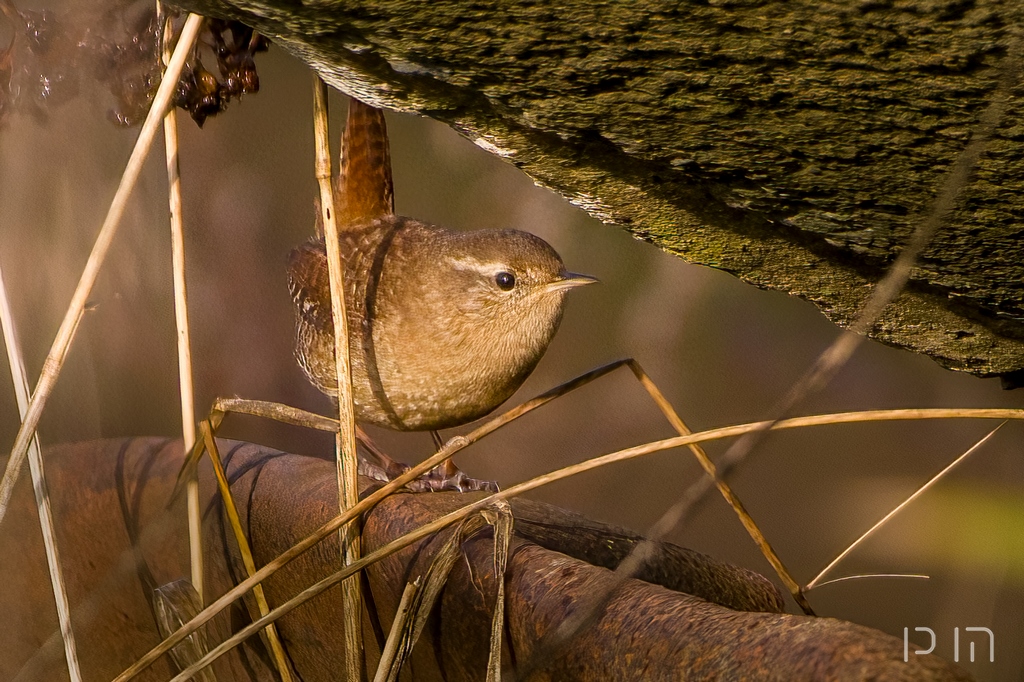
<point x="447" y="468"/>
<point x="389" y="466"/>
<point x="447" y="476"/>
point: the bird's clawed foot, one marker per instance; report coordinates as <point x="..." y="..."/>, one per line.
<point x="436" y="480"/>
<point x="445" y="477"/>
<point x="442" y="478"/>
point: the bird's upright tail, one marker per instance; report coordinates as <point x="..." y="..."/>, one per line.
<point x="364" y="190"/>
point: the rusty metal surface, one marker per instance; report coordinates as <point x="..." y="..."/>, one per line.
<point x="117" y="543"/>
<point x="119" y="540"/>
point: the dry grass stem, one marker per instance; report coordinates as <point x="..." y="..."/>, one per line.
<point x="188" y="415"/>
<point x="460" y="442"/>
<point x="425" y="596"/>
<point x="174" y="604"/>
<point x="35" y="459"/>
<point x="255" y="408"/>
<point x="397" y="633"/>
<point x="345" y="440"/>
<point x="723" y="487"/>
<point x="885" y="519"/>
<point x="276" y="411"/>
<point x="14" y="465"/>
<point x="276" y="648"/>
<point x="62" y="342"/>
<point x="501" y="518"/>
<point x="862" y="576"/>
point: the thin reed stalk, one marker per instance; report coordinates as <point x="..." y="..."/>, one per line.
<point x="395" y="635"/>
<point x="188" y="411"/>
<point x="345" y="439"/>
<point x="35" y="462"/>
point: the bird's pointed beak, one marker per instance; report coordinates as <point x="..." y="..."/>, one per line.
<point x="570" y="280"/>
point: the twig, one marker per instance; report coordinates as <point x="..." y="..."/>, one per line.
<point x="188" y="412"/>
<point x="885" y="519"/>
<point x="62" y="342"/>
<point x="460" y="442"/>
<point x="501" y="518"/>
<point x="345" y="440"/>
<point x="35" y="459"/>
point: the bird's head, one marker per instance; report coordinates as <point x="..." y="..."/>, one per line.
<point x="511" y="281"/>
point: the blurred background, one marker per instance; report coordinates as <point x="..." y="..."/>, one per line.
<point x="723" y="353"/>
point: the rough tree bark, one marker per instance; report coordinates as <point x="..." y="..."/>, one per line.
<point x="120" y="539"/>
<point x="793" y="144"/>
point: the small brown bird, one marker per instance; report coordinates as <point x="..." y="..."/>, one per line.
<point x="443" y="326"/>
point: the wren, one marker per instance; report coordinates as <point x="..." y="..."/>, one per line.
<point x="444" y="326"/>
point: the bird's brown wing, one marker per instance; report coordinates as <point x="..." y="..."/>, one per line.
<point x="308" y="284"/>
<point x="309" y="277"/>
<point x="365" y="190"/>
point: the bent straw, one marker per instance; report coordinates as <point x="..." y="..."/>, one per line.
<point x="62" y="342"/>
<point x="816" y="582"/>
<point x="35" y="459"/>
<point x="231" y="511"/>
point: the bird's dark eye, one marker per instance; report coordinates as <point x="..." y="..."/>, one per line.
<point x="505" y="281"/>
